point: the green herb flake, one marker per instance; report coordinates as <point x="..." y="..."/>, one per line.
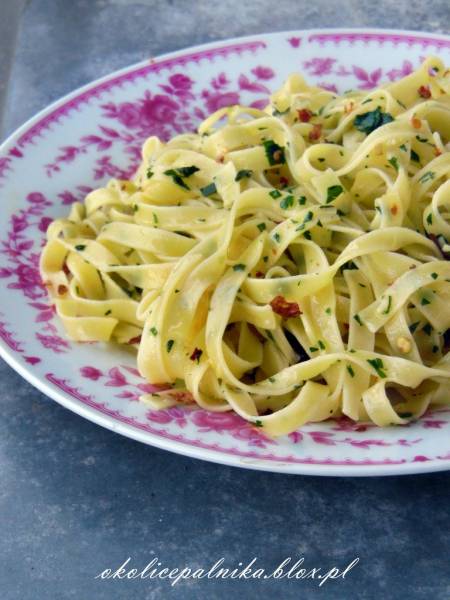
<point x="403" y="147"/>
<point x="242" y="174"/>
<point x="387" y="310"/>
<point x="176" y="178"/>
<point x="302" y="200"/>
<point x="80" y="247"/>
<point x="275" y="194"/>
<point x="430" y="219"/>
<point x="208" y="190"/>
<point x="307" y="235"/>
<point x="328" y="311"/>
<point x="333" y="192"/>
<point x="187" y="171"/>
<point x="358" y="319"/>
<point x="287" y="202"/>
<point x="321" y="344"/>
<point x="378" y="365"/>
<point x="434" y="275"/>
<point x="149" y="173"/>
<point x="277" y="237"/>
<point x="350" y="370"/>
<point x="108" y="312"/>
<point x="261" y="226"/>
<point x="413" y="326"/>
<point x="394" y="162"/>
<point x="313" y="349"/>
<point x="414" y="156"/>
<point x="258" y="423"/>
<point x="169" y="345"/>
<point x="424" y="301"/>
<point x="239" y="267"/>
<point x="155" y="218"/>
<point x="153" y="331"/>
<point x="427" y="329"/>
<point x="428" y="176"/>
<point x="274" y="152"/>
<point x="369" y="121"/>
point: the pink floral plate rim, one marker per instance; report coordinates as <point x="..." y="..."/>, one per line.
<point x="71" y="397"/>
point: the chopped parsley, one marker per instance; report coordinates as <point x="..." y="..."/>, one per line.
<point x="413" y="326"/>
<point x="108" y="312"/>
<point x="187" y="171"/>
<point x="258" y="423"/>
<point x="350" y="370"/>
<point x="287" y="202"/>
<point x="369" y="121"/>
<point x="378" y="365"/>
<point x="428" y="176"/>
<point x="169" y="345"/>
<point x="387" y="310"/>
<point x="427" y="328"/>
<point x="358" y="319"/>
<point x="153" y="331"/>
<point x="261" y="226"/>
<point x="424" y="301"/>
<point x="328" y="311"/>
<point x="155" y="218"/>
<point x="80" y="247"/>
<point x="242" y="174"/>
<point x="275" y="194"/>
<point x="321" y="344"/>
<point x="308" y="217"/>
<point x="434" y="275"/>
<point x="274" y="152"/>
<point x="394" y="162"/>
<point x="430" y="219"/>
<point x="414" y="156"/>
<point x="333" y="192"/>
<point x="179" y="174"/>
<point x="313" y="349"/>
<point x="239" y="267"/>
<point x="302" y="200"/>
<point x="209" y="189"/>
<point x="277" y="237"/>
<point x="149" y="173"/>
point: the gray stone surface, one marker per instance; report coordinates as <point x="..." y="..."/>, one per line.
<point x="76" y="499"/>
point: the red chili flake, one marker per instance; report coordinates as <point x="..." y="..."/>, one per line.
<point x="196" y="354"/>
<point x="416" y="123"/>
<point x="424" y="91"/>
<point x="62" y="289"/>
<point x="65" y="268"/>
<point x="183" y="397"/>
<point x="220" y="158"/>
<point x="135" y="340"/>
<point x="285" y="309"/>
<point x="315" y="132"/>
<point x="256" y="333"/>
<point x="259" y="274"/>
<point x="304" y="115"/>
<point x="394" y="209"/>
<point x="284" y="181"/>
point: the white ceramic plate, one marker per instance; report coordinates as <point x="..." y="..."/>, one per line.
<point x="96" y="133"/>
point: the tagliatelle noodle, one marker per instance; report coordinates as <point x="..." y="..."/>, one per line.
<point x="289" y="264"/>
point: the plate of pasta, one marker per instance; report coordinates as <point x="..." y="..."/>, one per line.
<point x="240" y="252"/>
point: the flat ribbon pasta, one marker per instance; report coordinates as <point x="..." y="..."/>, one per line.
<point x="289" y="264"/>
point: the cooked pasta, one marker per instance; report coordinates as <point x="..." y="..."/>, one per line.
<point x="289" y="264"/>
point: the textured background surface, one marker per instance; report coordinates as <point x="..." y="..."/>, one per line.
<point x="75" y="498"/>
